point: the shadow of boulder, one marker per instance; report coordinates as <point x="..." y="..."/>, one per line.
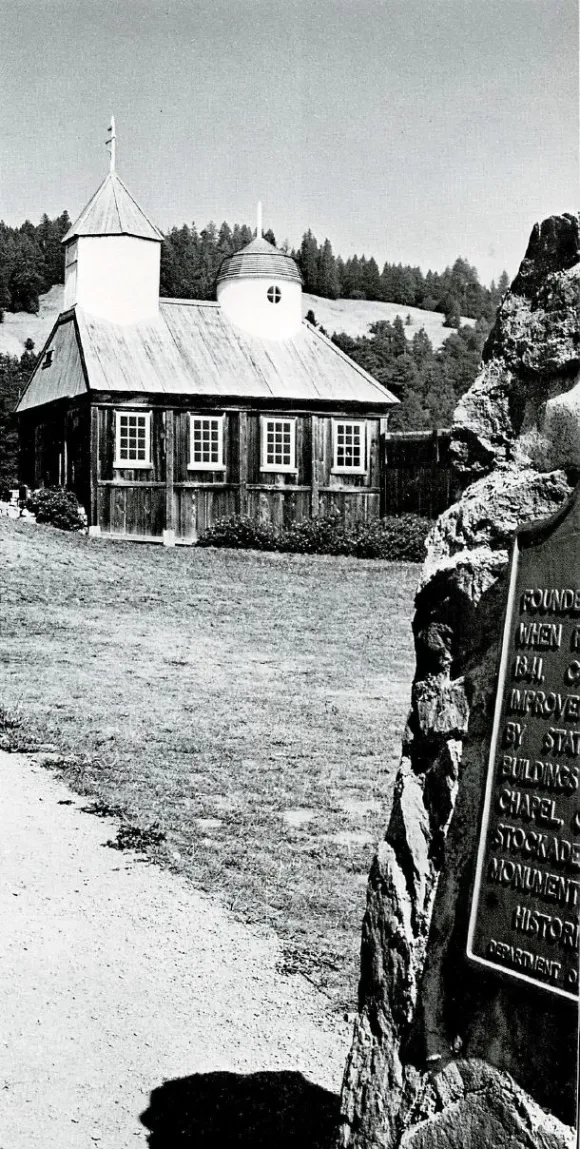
<point x="258" y="1111"/>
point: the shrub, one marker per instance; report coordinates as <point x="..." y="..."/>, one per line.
<point x="239" y="531"/>
<point x="57" y="506"/>
<point x="397" y="539"/>
<point x="318" y="536"/>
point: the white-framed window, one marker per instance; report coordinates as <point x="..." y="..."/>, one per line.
<point x="278" y="443"/>
<point x="274" y="294"/>
<point x="206" y="443"/>
<point x="132" y="439"/>
<point x="349" y="446"/>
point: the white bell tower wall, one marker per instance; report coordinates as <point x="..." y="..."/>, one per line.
<point x="270" y="308"/>
<point x="113" y="276"/>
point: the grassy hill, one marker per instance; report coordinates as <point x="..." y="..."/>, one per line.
<point x="354" y="316"/>
<point x="20" y="326"/>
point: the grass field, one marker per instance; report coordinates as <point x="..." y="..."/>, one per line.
<point x="251" y="704"/>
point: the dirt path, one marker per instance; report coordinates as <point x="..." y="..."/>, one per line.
<point x="117" y="978"/>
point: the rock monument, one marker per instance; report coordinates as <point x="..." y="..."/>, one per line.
<point x="447" y="1054"/>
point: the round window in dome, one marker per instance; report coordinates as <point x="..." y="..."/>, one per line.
<point x="274" y="294"/>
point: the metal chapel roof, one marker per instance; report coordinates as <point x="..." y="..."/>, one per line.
<point x="113" y="211"/>
<point x="259" y="260"/>
<point x="191" y="348"/>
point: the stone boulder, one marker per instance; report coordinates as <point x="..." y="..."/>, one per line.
<point x="445" y="1055"/>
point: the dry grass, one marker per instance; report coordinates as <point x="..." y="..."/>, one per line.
<point x="355" y="316"/>
<point x="251" y="705"/>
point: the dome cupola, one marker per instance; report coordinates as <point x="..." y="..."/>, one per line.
<point x="260" y="289"/>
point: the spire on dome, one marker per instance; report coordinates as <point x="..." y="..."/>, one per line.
<point x="259" y="228"/>
<point x="111" y="143"/>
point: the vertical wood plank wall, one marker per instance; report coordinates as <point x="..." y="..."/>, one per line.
<point x="55" y="451"/>
<point x="143" y="502"/>
<point x="418" y="476"/>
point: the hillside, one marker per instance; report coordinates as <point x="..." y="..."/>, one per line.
<point x="353" y="316"/>
<point x="19" y="326"/>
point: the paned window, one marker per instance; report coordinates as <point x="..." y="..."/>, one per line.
<point x="274" y="294"/>
<point x="349" y="446"/>
<point x="206" y="442"/>
<point x="132" y="439"/>
<point x="278" y="444"/>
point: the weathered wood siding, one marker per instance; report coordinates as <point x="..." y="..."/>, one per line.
<point x="54" y="450"/>
<point x="127" y="510"/>
<point x="146" y="501"/>
<point x="108" y="472"/>
<point x="418" y="477"/>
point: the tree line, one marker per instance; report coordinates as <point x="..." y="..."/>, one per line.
<point x="31" y="261"/>
<point x="14" y="375"/>
<point x="428" y="383"/>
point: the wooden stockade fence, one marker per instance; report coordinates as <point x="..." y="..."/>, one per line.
<point x="417" y="473"/>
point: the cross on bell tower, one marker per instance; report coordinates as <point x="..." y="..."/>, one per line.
<point x="111" y="143"/>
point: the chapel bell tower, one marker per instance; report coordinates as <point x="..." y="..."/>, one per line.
<point x="112" y="254"/>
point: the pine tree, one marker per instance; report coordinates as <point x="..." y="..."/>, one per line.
<point x="371" y="279"/>
<point x="327" y="275"/>
<point x="399" y="337"/>
<point x="308" y="262"/>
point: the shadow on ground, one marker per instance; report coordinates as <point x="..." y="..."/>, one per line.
<point x="212" y="1110"/>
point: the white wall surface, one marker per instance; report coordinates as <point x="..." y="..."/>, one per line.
<point x="117" y="277"/>
<point x="245" y="302"/>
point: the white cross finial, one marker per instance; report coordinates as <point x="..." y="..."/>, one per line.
<point x="111" y="144"/>
<point x="259" y="227"/>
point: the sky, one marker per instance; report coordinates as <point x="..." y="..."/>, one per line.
<point x="412" y="130"/>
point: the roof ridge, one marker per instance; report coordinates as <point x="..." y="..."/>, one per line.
<point x="137" y="205"/>
<point x="113" y="210"/>
<point x="110" y="177"/>
<point x="84" y="211"/>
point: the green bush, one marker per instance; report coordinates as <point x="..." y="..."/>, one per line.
<point x="239" y="531"/>
<point x="401" y="538"/>
<point x="57" y="506"/>
<point x="396" y="539"/>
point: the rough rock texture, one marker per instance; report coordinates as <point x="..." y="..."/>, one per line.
<point x="445" y="1055"/>
<point x="528" y="394"/>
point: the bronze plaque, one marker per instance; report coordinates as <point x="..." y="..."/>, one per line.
<point x="526" y="899"/>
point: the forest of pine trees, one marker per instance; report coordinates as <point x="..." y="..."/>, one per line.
<point x="31" y="261"/>
<point x="428" y="383"/>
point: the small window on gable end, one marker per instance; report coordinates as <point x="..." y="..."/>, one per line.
<point x="206" y="443"/>
<point x="349" y="445"/>
<point x="274" y="294"/>
<point x="278" y="446"/>
<point x="48" y="358"/>
<point x="132" y="439"/>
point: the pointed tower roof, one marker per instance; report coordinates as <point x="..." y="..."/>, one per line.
<point x="113" y="211"/>
<point x="259" y="260"/>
